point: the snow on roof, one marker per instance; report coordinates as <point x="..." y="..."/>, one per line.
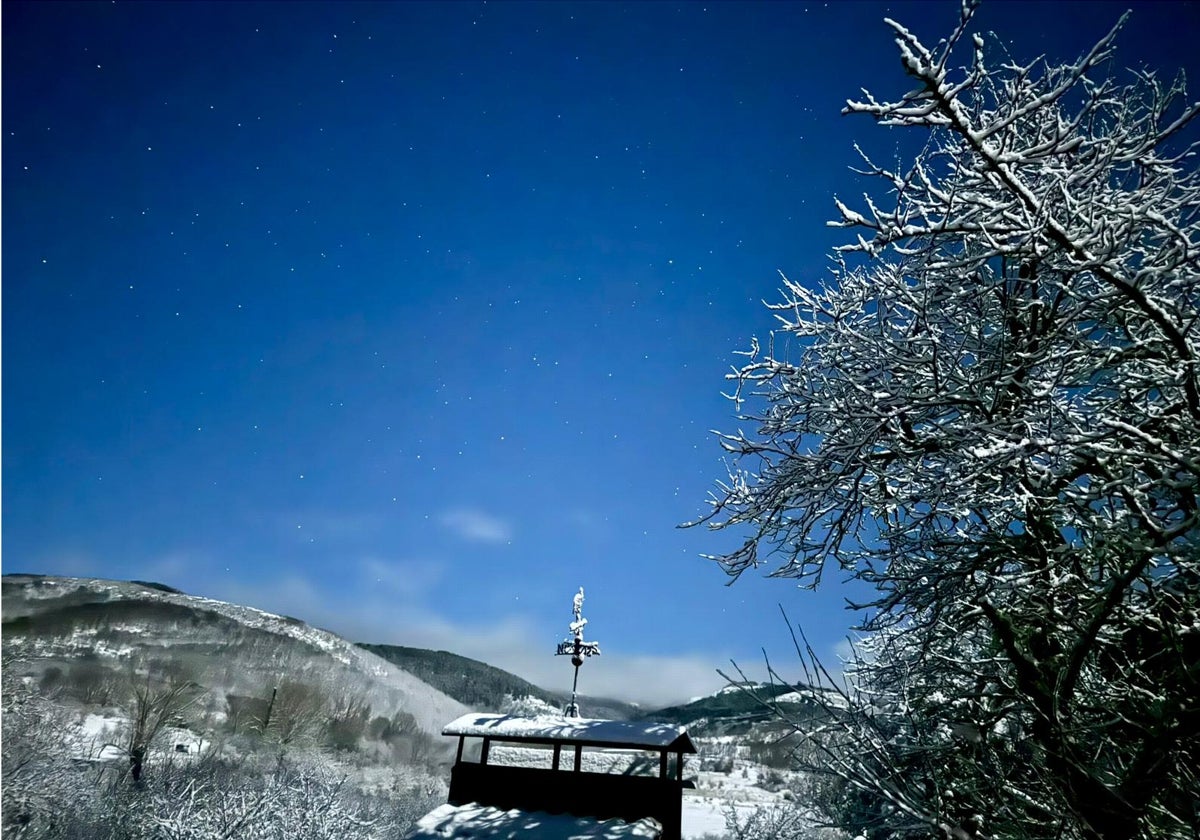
<point x="487" y="823"/>
<point x="589" y="732"/>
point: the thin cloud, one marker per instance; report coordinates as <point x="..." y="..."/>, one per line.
<point x="513" y="643"/>
<point x="69" y="564"/>
<point x="594" y="522"/>
<point x="476" y="525"/>
<point x="172" y="567"/>
<point x="409" y="578"/>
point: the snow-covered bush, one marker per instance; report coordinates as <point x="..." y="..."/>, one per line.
<point x="57" y="787"/>
<point x="526" y="706"/>
<point x="210" y="799"/>
<point x="38" y="774"/>
<point x="717" y="757"/>
<point x="780" y="821"/>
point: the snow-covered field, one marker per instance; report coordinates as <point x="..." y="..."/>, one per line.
<point x="483" y="821"/>
<point x="99" y="738"/>
<point x="704" y="808"/>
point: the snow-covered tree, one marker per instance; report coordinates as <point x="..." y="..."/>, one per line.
<point x="154" y="703"/>
<point x="991" y="413"/>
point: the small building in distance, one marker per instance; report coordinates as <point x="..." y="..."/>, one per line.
<point x="551" y="776"/>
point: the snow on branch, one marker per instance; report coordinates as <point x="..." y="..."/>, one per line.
<point x="993" y="418"/>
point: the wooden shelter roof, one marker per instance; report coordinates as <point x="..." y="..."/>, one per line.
<point x="554" y="729"/>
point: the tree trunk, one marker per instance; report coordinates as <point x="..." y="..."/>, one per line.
<point x="137" y="756"/>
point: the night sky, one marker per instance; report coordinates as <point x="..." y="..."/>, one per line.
<point x="409" y="319"/>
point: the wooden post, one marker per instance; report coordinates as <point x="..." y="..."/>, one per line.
<point x="483" y="756"/>
<point x="662" y="764"/>
<point x="578" y="757"/>
<point x="271" y="705"/>
<point x="557" y="755"/>
<point x="458" y="758"/>
<point x="678" y="766"/>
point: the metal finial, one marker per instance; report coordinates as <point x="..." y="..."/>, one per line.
<point x="575" y="647"/>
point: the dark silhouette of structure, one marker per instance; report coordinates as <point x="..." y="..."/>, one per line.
<point x="566" y="787"/>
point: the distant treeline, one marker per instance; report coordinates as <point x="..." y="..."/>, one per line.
<point x="482" y="686"/>
<point x="469" y="681"/>
<point x="749" y="704"/>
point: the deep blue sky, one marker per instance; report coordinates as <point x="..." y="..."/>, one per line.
<point x="409" y="319"/>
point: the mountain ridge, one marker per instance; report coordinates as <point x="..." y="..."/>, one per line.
<point x="100" y="614"/>
<point x="67" y="601"/>
<point x="235" y="648"/>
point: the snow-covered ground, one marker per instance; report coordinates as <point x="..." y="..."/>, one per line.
<point x="483" y="821"/>
<point x="705" y="808"/>
<point x="99" y="738"/>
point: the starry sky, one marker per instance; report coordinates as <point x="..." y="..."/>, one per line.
<point x="409" y="319"/>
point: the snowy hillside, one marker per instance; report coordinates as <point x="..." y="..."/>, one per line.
<point x="79" y="644"/>
<point x="752" y="712"/>
<point x="481" y="686"/>
<point x="230" y="648"/>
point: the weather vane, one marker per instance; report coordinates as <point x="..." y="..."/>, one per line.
<point x="576" y="648"/>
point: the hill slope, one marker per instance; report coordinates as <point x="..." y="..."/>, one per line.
<point x="752" y="710"/>
<point x="224" y="647"/>
<point x="483" y="686"/>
